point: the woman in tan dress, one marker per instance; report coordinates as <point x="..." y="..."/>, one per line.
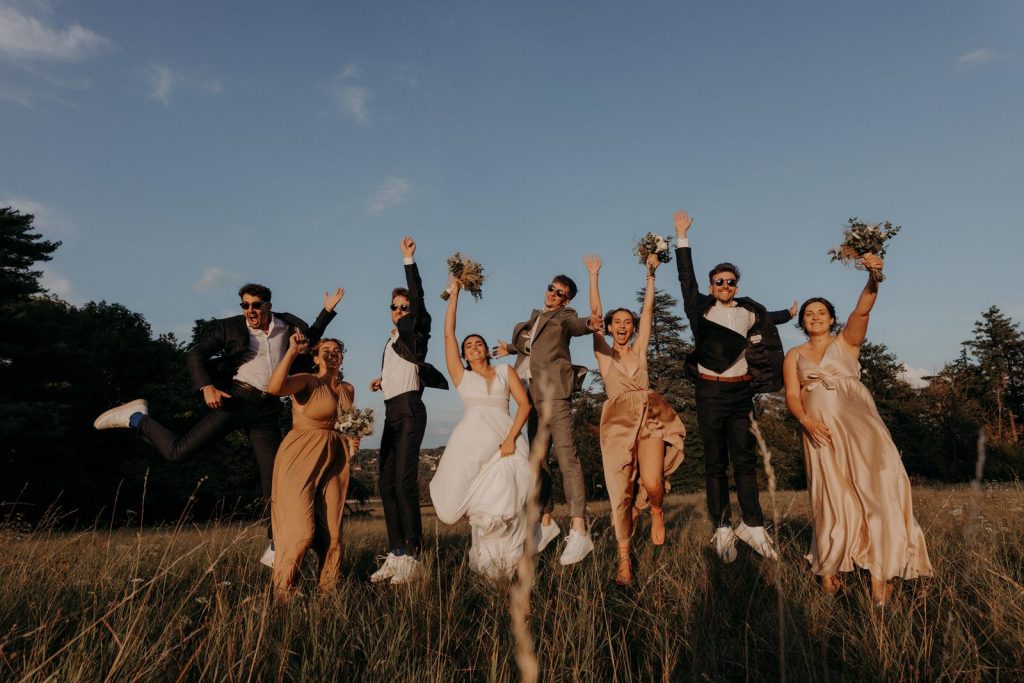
<point x="641" y="435"/>
<point x="312" y="466"/>
<point x="861" y="505"/>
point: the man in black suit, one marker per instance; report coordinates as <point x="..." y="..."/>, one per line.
<point x="737" y="354"/>
<point x="404" y="374"/>
<point x="231" y="365"/>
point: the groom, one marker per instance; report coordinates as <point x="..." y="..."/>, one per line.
<point x="404" y="374"/>
<point x="737" y="354"/>
<point x="545" y="366"/>
<point x="231" y="365"/>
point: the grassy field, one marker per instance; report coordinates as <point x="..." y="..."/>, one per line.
<point x="193" y="604"/>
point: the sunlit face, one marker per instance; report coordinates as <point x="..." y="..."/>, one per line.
<point x="622" y="327"/>
<point x="399" y="308"/>
<point x="724" y="286"/>
<point x="256" y="311"/>
<point x="329" y="355"/>
<point x="816" y="320"/>
<point x="557" y="295"/>
<point x="474" y="350"/>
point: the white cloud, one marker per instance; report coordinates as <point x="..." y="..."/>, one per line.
<point x="59" y="285"/>
<point x="26" y="37"/>
<point x="212" y="278"/>
<point x="352" y="100"/>
<point x="164" y="81"/>
<point x="975" y="58"/>
<point x="50" y="222"/>
<point x="392" y="191"/>
<point x="915" y="377"/>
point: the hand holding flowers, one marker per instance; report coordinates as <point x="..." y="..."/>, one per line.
<point x="861" y="240"/>
<point x="467" y="273"/>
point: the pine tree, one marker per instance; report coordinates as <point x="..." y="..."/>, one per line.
<point x="20" y="249"/>
<point x="998" y="348"/>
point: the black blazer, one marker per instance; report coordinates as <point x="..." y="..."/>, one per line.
<point x="414" y="332"/>
<point x="717" y="347"/>
<point x="215" y="358"/>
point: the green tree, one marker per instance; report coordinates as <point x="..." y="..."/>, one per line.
<point x="20" y="250"/>
<point x="998" y="349"/>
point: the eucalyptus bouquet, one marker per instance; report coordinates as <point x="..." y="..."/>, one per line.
<point x="652" y="243"/>
<point x="354" y="423"/>
<point x="468" y="273"/>
<point x="860" y="239"/>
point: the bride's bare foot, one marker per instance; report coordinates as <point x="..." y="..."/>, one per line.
<point x="881" y="591"/>
<point x="658" y="526"/>
<point x="624" y="575"/>
<point x="831" y="584"/>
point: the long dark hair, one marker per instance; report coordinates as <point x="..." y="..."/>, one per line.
<point x="611" y="314"/>
<point x="828" y="306"/>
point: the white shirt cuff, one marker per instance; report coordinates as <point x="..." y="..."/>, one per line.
<point x="682" y="242"/>
<point x="408" y="260"/>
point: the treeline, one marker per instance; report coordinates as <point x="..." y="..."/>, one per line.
<point x="60" y="364"/>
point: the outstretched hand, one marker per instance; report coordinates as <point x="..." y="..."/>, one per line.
<point x="683" y="223"/>
<point x="213" y="397"/>
<point x="794" y="308"/>
<point x="652" y="263"/>
<point x="332" y="300"/>
<point x="872" y="262"/>
<point x="408" y="246"/>
<point x="595" y="323"/>
<point x="593" y="263"/>
<point x="501" y="350"/>
<point x="298" y="343"/>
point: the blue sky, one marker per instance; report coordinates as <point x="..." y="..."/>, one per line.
<point x="181" y="148"/>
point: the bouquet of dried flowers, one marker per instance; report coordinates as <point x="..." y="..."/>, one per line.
<point x="860" y="239"/>
<point x="354" y="423"/>
<point x="652" y="243"/>
<point x="468" y="273"/>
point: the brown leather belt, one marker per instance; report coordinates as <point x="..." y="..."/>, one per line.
<point x="248" y="392"/>
<point x="718" y="378"/>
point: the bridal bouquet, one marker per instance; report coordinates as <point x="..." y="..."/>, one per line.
<point x="468" y="273"/>
<point x="354" y="423"/>
<point x="859" y="239"/>
<point x="653" y="244"/>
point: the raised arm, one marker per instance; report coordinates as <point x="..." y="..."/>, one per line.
<point x="452" y="357"/>
<point x="283" y="384"/>
<point x="518" y="391"/>
<point x="643" y="334"/>
<point x="857" y="326"/>
<point x="684" y="266"/>
<point x="816" y="429"/>
<point x="602" y="351"/>
<point x="326" y="315"/>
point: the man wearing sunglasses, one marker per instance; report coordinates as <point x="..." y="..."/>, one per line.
<point x="231" y="365"/>
<point x="545" y="366"/>
<point x="737" y="354"/>
<point x="404" y="374"/>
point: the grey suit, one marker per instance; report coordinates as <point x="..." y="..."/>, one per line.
<point x="549" y="389"/>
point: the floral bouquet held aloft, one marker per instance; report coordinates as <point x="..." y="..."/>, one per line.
<point x="354" y="423"/>
<point x="860" y="239"/>
<point x="468" y="273"/>
<point x="653" y="244"/>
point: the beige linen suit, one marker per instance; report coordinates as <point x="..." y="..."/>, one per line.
<point x="549" y="388"/>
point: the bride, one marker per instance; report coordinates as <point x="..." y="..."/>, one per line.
<point x="485" y="470"/>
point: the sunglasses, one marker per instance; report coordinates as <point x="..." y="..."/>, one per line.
<point x="256" y="305"/>
<point x="404" y="307"/>
<point x="722" y="281"/>
<point x="558" y="292"/>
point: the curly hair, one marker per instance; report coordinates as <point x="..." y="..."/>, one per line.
<point x="253" y="289"/>
<point x="315" y="351"/>
<point x="611" y="314"/>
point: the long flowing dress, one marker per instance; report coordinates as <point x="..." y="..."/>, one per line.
<point x="632" y="413"/>
<point x="474" y="480"/>
<point x="861" y="504"/>
<point x="311" y="473"/>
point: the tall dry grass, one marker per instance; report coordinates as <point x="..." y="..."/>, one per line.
<point x="192" y="603"/>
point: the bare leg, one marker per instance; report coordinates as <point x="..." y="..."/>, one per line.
<point x="651" y="454"/>
<point x="881" y="591"/>
<point x="624" y="575"/>
<point x="831" y="584"/>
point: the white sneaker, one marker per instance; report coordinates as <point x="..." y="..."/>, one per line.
<point x="758" y="539"/>
<point x="267" y="559"/>
<point x="577" y="546"/>
<point x="386" y="570"/>
<point x="724" y="541"/>
<point x="119" y="416"/>
<point x="546" y="534"/>
<point x="408" y="569"/>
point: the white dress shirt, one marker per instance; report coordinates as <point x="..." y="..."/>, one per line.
<point x="398" y="376"/>
<point x="266" y="350"/>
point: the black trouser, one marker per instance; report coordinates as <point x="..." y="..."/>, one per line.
<point x="405" y="421"/>
<point x="723" y="415"/>
<point x="257" y="415"/>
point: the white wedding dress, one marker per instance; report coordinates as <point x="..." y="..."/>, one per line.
<point x="473" y="479"/>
